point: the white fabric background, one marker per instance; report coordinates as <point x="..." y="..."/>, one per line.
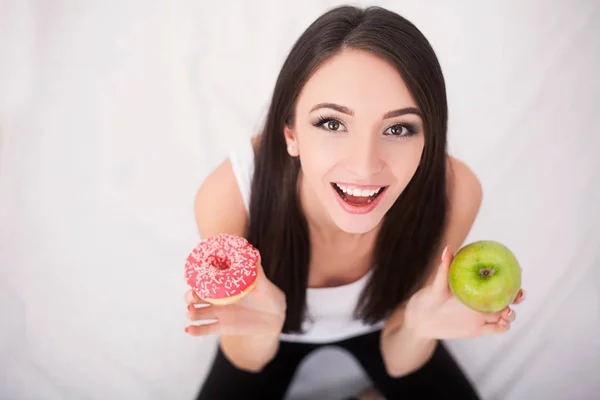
<point x="113" y="112"/>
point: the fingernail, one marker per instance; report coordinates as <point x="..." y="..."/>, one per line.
<point x="186" y="329"/>
<point x="444" y="253"/>
<point x="503" y="322"/>
<point x="509" y="313"/>
<point x="522" y="295"/>
<point x="190" y="307"/>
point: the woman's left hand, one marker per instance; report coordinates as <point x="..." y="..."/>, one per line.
<point x="435" y="313"/>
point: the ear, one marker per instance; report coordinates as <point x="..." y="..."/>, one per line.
<point x="290" y="141"/>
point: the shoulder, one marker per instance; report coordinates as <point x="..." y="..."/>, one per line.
<point x="464" y="193"/>
<point x="219" y="206"/>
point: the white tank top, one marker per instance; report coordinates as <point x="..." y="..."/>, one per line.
<point x="329" y="310"/>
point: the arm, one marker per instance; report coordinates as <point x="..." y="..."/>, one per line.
<point x="403" y="351"/>
<point x="219" y="208"/>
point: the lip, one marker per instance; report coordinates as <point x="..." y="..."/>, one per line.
<point x="350" y="209"/>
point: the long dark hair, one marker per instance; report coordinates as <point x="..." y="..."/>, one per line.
<point x="411" y="230"/>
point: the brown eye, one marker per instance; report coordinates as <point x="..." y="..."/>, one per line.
<point x="396" y="130"/>
<point x="333" y="125"/>
<point x="329" y="124"/>
<point x="401" y="130"/>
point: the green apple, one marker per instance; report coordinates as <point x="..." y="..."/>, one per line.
<point x="485" y="276"/>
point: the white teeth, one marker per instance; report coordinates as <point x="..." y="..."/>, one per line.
<point x="359" y="192"/>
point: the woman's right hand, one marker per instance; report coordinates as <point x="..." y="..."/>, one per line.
<point x="261" y="312"/>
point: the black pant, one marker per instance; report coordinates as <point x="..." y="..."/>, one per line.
<point x="439" y="378"/>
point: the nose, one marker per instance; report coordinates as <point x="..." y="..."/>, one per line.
<point x="364" y="157"/>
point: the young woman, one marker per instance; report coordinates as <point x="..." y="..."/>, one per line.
<point x="356" y="207"/>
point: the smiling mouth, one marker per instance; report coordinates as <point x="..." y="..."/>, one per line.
<point x="357" y="197"/>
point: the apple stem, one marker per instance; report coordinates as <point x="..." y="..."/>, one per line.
<point x="486" y="272"/>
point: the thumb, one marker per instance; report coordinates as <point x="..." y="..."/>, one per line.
<point x="440" y="282"/>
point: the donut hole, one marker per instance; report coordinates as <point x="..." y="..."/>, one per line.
<point x="219" y="262"/>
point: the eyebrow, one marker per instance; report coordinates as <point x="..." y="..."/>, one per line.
<point x="349" y="111"/>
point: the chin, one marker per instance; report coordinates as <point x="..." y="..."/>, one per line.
<point x="357" y="224"/>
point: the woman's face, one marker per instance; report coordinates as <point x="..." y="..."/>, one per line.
<point x="359" y="136"/>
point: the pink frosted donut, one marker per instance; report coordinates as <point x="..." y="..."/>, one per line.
<point x="221" y="269"/>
